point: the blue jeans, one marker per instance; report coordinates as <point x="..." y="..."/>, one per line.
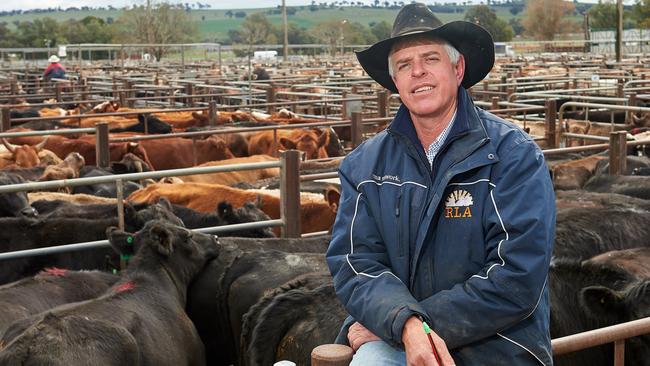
<point x="378" y="353"/>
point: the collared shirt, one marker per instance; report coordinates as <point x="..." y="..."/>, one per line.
<point x="435" y="146"/>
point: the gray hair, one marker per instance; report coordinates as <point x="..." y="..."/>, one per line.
<point x="452" y="52"/>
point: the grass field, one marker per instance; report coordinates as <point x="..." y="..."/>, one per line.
<point x="214" y="24"/>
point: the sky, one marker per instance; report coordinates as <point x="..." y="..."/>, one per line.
<point x="216" y="4"/>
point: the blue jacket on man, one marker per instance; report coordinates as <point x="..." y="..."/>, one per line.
<point x="465" y="243"/>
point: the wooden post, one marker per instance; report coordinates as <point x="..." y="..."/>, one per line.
<point x="331" y="355"/>
<point x="619" y="89"/>
<point x="189" y="92"/>
<point x="551" y="112"/>
<point x="290" y="193"/>
<point x="382" y="103"/>
<point x="357" y="129"/>
<point x="617" y="152"/>
<point x="6" y="119"/>
<point x="102" y="152"/>
<point x="57" y="92"/>
<point x="344" y="112"/>
<point x="270" y="98"/>
<point x="495" y="103"/>
<point x="212" y="113"/>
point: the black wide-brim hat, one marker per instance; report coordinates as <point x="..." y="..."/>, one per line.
<point x="471" y="40"/>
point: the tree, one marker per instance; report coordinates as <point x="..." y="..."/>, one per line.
<point x="257" y="29"/>
<point x="641" y="13"/>
<point x="328" y="32"/>
<point x="484" y="16"/>
<point x="380" y="30"/>
<point x="543" y="19"/>
<point x="88" y="30"/>
<point x="36" y="32"/>
<point x="602" y="15"/>
<point x="159" y="23"/>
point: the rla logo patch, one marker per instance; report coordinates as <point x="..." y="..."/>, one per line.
<point x="458" y="204"/>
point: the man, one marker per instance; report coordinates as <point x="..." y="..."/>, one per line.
<point x="54" y="70"/>
<point x="447" y="217"/>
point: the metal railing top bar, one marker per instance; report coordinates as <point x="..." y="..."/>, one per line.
<point x="230" y="130"/>
<point x="70" y="131"/>
<point x="598" y="105"/>
<point x="564" y="150"/>
<point x="104" y="243"/>
<point x="600" y="336"/>
<point x="586" y="137"/>
<point x="569" y="96"/>
<point x="55" y="184"/>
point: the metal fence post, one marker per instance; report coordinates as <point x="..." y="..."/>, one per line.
<point x="551" y="111"/>
<point x="331" y="355"/>
<point x="629" y="119"/>
<point x="356" y="129"/>
<point x="382" y="103"/>
<point x="617" y="152"/>
<point x="102" y="153"/>
<point x="270" y="98"/>
<point x="6" y="119"/>
<point x="290" y="193"/>
<point x="212" y="113"/>
<point x="495" y="103"/>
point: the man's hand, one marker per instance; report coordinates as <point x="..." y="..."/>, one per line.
<point x="358" y="335"/>
<point x="417" y="346"/>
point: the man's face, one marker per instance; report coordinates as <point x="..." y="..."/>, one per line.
<point x="426" y="79"/>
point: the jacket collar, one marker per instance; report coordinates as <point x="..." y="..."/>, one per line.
<point x="466" y="121"/>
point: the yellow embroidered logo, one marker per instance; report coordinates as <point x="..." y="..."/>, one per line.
<point x="457" y="204"/>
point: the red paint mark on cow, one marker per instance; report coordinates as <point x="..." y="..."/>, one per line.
<point x="59" y="272"/>
<point x="125" y="287"/>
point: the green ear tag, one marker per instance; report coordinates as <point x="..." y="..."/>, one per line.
<point x="129" y="240"/>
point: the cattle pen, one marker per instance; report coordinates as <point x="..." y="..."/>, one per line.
<point x="571" y="104"/>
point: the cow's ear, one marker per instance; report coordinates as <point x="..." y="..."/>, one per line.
<point x="602" y="301"/>
<point x="332" y="196"/>
<point x="122" y="242"/>
<point x="287" y="144"/>
<point x="162" y="240"/>
<point x="324" y="138"/>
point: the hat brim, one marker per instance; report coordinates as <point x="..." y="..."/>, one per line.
<point x="471" y="40"/>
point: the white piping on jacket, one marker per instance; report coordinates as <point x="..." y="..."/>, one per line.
<point x="356" y="207"/>
<point x="518" y="344"/>
<point x="503" y="262"/>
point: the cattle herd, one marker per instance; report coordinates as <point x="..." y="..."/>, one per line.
<point x="165" y="294"/>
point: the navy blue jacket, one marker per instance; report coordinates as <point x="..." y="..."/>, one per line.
<point x="465" y="244"/>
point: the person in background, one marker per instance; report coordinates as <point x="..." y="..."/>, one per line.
<point x="54" y="70"/>
<point x="447" y="217"/>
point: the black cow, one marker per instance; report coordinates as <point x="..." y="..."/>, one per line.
<point x="582" y="233"/>
<point x="225" y="215"/>
<point x="108" y="190"/>
<point x="14" y="204"/>
<point x="50" y="288"/>
<point x="612" y="306"/>
<point x="292" y="320"/>
<point x="635" y="186"/>
<point x="231" y="284"/>
<point x="139" y="321"/>
<point x="153" y="125"/>
<point x="21" y="234"/>
<point x="50" y="124"/>
<point x="644" y="171"/>
<point x="24" y="113"/>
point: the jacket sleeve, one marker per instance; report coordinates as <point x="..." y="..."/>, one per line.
<point x="359" y="264"/>
<point x="519" y="226"/>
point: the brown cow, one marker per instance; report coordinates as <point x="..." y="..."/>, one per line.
<point x="85" y="145"/>
<point x="574" y="174"/>
<point x="68" y="169"/>
<point x="176" y="152"/>
<point x="234" y="177"/>
<point x="635" y="261"/>
<point x="589" y="128"/>
<point x="203" y="197"/>
<point x="311" y="141"/>
<point x="21" y="156"/>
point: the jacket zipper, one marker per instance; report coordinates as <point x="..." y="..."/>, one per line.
<point x="400" y="244"/>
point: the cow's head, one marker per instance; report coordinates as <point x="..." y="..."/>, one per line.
<point x="161" y="244"/>
<point x="611" y="307"/>
<point x="130" y="163"/>
<point x="311" y="142"/>
<point x="14" y="204"/>
<point x="25" y="156"/>
<point x="249" y="212"/>
<point x="220" y="147"/>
